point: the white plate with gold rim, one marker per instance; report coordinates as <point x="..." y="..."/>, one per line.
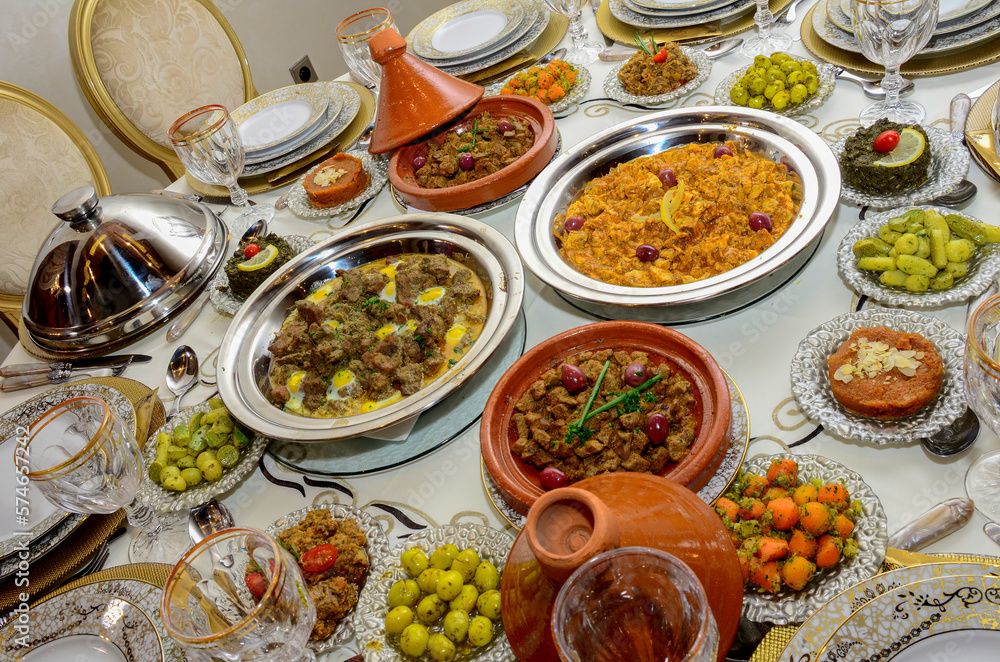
<point x="281" y="116"/>
<point x="468" y="27"/>
<point x="948" y="10"/>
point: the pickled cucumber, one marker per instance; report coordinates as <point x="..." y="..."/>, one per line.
<point x="207" y="445"/>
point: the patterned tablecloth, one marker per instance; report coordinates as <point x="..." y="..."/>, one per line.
<point x="754" y="346"/>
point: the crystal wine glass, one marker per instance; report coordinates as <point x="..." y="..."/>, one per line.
<point x="216" y="610"/>
<point x="353" y="34"/>
<point x="583" y="52"/>
<point x="891" y="32"/>
<point x="208" y="144"/>
<point x="634" y="603"/>
<point x="85" y="460"/>
<point x="982" y="391"/>
<point x="765" y="42"/>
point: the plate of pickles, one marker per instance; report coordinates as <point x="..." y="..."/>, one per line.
<point x="920" y="257"/>
<point x="199" y="454"/>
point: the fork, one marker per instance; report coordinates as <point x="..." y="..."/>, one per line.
<point x="789" y="16"/>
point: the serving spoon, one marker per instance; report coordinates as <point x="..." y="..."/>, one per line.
<point x="182" y="375"/>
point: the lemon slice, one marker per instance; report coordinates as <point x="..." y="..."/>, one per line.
<point x="911" y="146"/>
<point x="260" y="260"/>
<point x="669" y="204"/>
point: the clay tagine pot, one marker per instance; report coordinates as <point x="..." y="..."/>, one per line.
<point x="414" y="97"/>
<point x="519" y="481"/>
<point x="567" y="528"/>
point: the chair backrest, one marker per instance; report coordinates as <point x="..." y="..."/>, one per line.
<point x="144" y="63"/>
<point x="43" y="155"/>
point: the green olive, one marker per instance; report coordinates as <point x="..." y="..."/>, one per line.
<point x="191" y="476"/>
<point x="431" y="608"/>
<point x="762" y="61"/>
<point x="413" y="641"/>
<point x="794" y="78"/>
<point x="808" y="67"/>
<point x="811" y="83"/>
<point x="780" y="100"/>
<point x="788" y="66"/>
<point x="456" y="625"/>
<point x="488" y="605"/>
<point x="739" y="94"/>
<point x="398" y="619"/>
<point x="466" y="563"/>
<point x="756" y="102"/>
<point x="466" y="598"/>
<point x="480" y="631"/>
<point x="443" y="556"/>
<point x="440" y="648"/>
<point x="405" y="592"/>
<point x="775" y="73"/>
<point x="428" y="580"/>
<point x="414" y="561"/>
<point x="756" y="86"/>
<point x="779" y="57"/>
<point x="450" y="585"/>
<point x="799" y="93"/>
<point x="487" y="577"/>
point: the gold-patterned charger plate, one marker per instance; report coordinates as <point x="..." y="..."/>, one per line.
<point x="280" y="116"/>
<point x="621" y="32"/>
<point x="681" y="8"/>
<point x="467" y="28"/>
<point x="979" y="132"/>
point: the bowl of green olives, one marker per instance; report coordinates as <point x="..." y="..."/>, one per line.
<point x="779" y="83"/>
<point x="440" y="601"/>
<point x="199" y="454"/>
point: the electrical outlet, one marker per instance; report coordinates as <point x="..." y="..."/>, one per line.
<point x="303" y="71"/>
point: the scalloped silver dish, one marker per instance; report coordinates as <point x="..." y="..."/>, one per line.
<point x="949" y="165"/>
<point x="495" y="58"/>
<point x="614" y="89"/>
<point x="827" y="81"/>
<point x="164" y="501"/>
<point x="870" y="531"/>
<point x="627" y="15"/>
<point x="983" y="267"/>
<point x="377" y="168"/>
<point x="575" y="95"/>
<point x="221" y="296"/>
<point x="811" y="379"/>
<point x="369" y="616"/>
<point x="377" y="548"/>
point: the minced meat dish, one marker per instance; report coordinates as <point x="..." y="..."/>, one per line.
<point x="375" y="334"/>
<point x="334" y="590"/>
<point x="474" y="149"/>
<point x="615" y="440"/>
<point x="644" y="76"/>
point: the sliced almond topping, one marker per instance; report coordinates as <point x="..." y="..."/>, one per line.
<point x="873" y="359"/>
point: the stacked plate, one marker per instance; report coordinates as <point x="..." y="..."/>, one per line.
<point x="288" y="124"/>
<point x="961" y="24"/>
<point x="663" y="14"/>
<point x="474" y="34"/>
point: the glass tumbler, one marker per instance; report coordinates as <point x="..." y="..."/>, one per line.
<point x="982" y="391"/>
<point x="353" y="34"/>
<point x="216" y="611"/>
<point x="634" y="603"/>
<point x="84" y="459"/>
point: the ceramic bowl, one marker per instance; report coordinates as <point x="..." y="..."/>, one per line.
<point x="403" y="178"/>
<point x="519" y="482"/>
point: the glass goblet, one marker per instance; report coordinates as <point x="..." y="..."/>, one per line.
<point x="891" y="32"/>
<point x="766" y="41"/>
<point x="216" y="611"/>
<point x="583" y="52"/>
<point x="982" y="390"/>
<point x="85" y="460"/>
<point x="208" y="144"/>
<point x="353" y="34"/>
<point x="634" y="603"/>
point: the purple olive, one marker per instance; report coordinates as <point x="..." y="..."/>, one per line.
<point x="505" y="126"/>
<point x="553" y="478"/>
<point x="574" y="379"/>
<point x="760" y="221"/>
<point x="722" y="150"/>
<point x="656" y="428"/>
<point x="668" y="177"/>
<point x="573" y="223"/>
<point x="635" y="374"/>
<point x="466" y="162"/>
<point x="787" y="162"/>
<point x="647" y="253"/>
<point x="419" y="162"/>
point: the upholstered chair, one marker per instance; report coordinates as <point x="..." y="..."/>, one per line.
<point x="144" y="63"/>
<point x="43" y="155"/>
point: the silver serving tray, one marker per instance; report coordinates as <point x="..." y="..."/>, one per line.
<point x="244" y="358"/>
<point x="777" y="137"/>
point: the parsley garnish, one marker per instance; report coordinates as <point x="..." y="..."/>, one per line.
<point x="370" y="302"/>
<point x="451" y="362"/>
<point x="576" y="429"/>
<point x="420" y="339"/>
<point x="475" y="129"/>
<point x="649" y="397"/>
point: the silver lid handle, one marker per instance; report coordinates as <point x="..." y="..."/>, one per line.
<point x="76" y="205"/>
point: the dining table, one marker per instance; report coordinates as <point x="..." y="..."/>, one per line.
<point x="754" y="345"/>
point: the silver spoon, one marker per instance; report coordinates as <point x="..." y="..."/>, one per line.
<point x="207" y="519"/>
<point x="872" y="88"/>
<point x="182" y="375"/>
<point x="961" y="104"/>
<point x="955" y="438"/>
<point x="258" y="229"/>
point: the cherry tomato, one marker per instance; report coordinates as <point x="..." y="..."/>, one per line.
<point x="574" y="379"/>
<point x="256" y="584"/>
<point x="319" y="558"/>
<point x="886" y="141"/>
<point x="661" y="56"/>
<point x="251" y="250"/>
<point x="552" y="478"/>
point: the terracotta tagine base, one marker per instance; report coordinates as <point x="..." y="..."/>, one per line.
<point x="649" y="512"/>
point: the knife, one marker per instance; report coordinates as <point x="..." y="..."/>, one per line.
<point x="113" y="361"/>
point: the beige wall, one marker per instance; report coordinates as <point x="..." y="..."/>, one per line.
<point x="34" y="53"/>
